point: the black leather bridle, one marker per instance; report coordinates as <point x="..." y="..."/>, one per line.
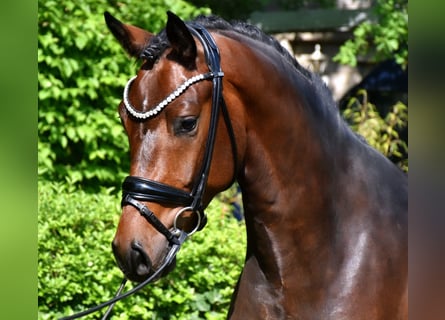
<point x="136" y="189"/>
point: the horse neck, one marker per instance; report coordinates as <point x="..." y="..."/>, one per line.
<point x="286" y="165"/>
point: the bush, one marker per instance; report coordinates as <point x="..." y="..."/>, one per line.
<point x="82" y="73"/>
<point x="76" y="268"/>
<point x="382" y="39"/>
<point x="383" y="133"/>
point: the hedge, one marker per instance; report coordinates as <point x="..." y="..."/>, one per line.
<point x="76" y="268"/>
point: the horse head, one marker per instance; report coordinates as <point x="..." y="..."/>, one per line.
<point x="167" y="113"/>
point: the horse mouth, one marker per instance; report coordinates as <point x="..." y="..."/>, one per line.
<point x="138" y="266"/>
<point x="165" y="271"/>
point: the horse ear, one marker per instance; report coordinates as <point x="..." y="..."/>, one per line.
<point x="181" y="41"/>
<point x="131" y="38"/>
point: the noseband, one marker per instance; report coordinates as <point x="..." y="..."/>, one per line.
<point x="136" y="189"/>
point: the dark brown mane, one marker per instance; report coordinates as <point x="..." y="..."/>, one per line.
<point x="159" y="43"/>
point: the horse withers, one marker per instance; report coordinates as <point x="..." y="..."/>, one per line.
<point x="325" y="213"/>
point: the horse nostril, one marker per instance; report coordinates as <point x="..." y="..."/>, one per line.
<point x="139" y="261"/>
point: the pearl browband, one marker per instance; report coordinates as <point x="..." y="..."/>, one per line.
<point x="180" y="90"/>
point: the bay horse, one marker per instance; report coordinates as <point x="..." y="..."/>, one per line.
<point x="325" y="213"/>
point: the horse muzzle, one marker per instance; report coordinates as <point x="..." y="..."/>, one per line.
<point x="134" y="244"/>
<point x="136" y="264"/>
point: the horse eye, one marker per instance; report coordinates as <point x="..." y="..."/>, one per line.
<point x="186" y="125"/>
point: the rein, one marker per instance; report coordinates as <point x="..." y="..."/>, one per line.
<point x="169" y="258"/>
<point x="136" y="189"/>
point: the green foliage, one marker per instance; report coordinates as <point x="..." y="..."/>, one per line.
<point x="384" y="38"/>
<point x="82" y="72"/>
<point x="76" y="268"/>
<point x="381" y="133"/>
